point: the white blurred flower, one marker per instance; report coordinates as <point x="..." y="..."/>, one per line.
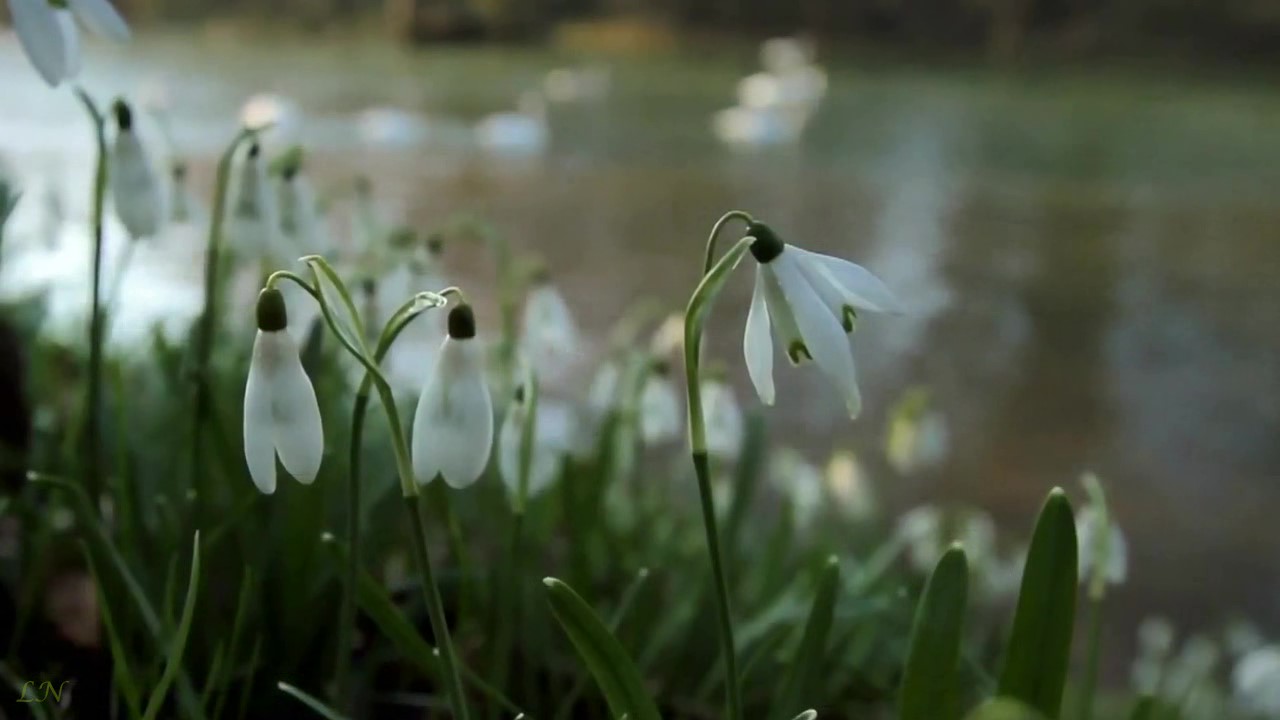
<point x="549" y="337"/>
<point x="300" y="222"/>
<point x="918" y="437"/>
<point x="1194" y="663"/>
<point x="849" y="487"/>
<point x="1104" y="553"/>
<point x="723" y="418"/>
<point x="812" y="301"/>
<point x="281" y="415"/>
<point x="1256" y="679"/>
<point x="49" y="36"/>
<point x="184" y="207"/>
<point x="453" y="426"/>
<point x="136" y="188"/>
<point x="660" y="410"/>
<point x="553" y="433"/>
<point x="921" y="530"/>
<point x="798" y="480"/>
<point x="253" y="227"/>
<point x="602" y="395"/>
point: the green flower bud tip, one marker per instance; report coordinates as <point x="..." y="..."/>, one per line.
<point x="403" y="237"/>
<point x="767" y="245"/>
<point x="289" y="163"/>
<point x="255" y="150"/>
<point x="179" y="171"/>
<point x="435" y="243"/>
<point x="124" y="115"/>
<point x="519" y="395"/>
<point x="660" y="367"/>
<point x="272" y="316"/>
<point x="462" y="322"/>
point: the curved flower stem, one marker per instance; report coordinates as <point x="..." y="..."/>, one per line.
<point x="346" y="618"/>
<point x="208" y="317"/>
<point x="713" y="280"/>
<point x="92" y="429"/>
<point x="408" y="488"/>
<point x="709" y="258"/>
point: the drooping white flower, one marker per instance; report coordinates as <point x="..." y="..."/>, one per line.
<point x="659" y="406"/>
<point x="281" y="415"/>
<point x="811" y="301"/>
<point x="549" y="335"/>
<point x="921" y="530"/>
<point x="552" y="439"/>
<point x="254" y="222"/>
<point x="849" y="487"/>
<point x="1256" y="679"/>
<point x="918" y="436"/>
<point x="301" y="225"/>
<point x="1109" y="555"/>
<point x="723" y="418"/>
<point x="602" y="395"/>
<point x="50" y="39"/>
<point x="136" y="187"/>
<point x="183" y="205"/>
<point x="453" y="426"/>
<point x="798" y="480"/>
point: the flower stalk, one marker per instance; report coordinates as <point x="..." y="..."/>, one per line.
<point x="713" y="279"/>
<point x="93" y="403"/>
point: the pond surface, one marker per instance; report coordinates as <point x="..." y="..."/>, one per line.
<point x="1090" y="261"/>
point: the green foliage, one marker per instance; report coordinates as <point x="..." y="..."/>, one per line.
<point x="1039" y="649"/>
<point x="929" y="682"/>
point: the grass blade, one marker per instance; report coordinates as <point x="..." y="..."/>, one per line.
<point x="603" y="656"/>
<point x="929" y="681"/>
<point x="180" y="639"/>
<point x="1035" y="669"/>
<point x="121" y="671"/>
<point x="1003" y="709"/>
<point x="802" y="682"/>
<point x="311" y="702"/>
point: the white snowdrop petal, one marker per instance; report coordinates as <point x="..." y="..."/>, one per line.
<point x="426" y="462"/>
<point x="723" y="419"/>
<point x="757" y="345"/>
<point x="549" y="334"/>
<point x="458" y="416"/>
<point x="41" y="36"/>
<point x="70" y="43"/>
<point x="822" y="333"/>
<point x="135" y="187"/>
<point x="830" y="295"/>
<point x="259" y="448"/>
<point x="299" y="432"/>
<point x="509" y="448"/>
<point x="603" y="393"/>
<point x="659" y="411"/>
<point x="782" y="316"/>
<point x="857" y="284"/>
<point x="102" y="18"/>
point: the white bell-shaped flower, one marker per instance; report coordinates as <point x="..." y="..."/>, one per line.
<point x="812" y="302"/>
<point x="136" y="187"/>
<point x="1256" y="678"/>
<point x="800" y="482"/>
<point x="453" y="426"/>
<point x="49" y="36"/>
<point x="553" y="432"/>
<point x="549" y="335"/>
<point x="300" y="222"/>
<point x="723" y="418"/>
<point x="281" y="415"/>
<point x="849" y="486"/>
<point x="1108" y="555"/>
<point x="602" y="394"/>
<point x="660" y="410"/>
<point x="184" y="207"/>
<point x="253" y="228"/>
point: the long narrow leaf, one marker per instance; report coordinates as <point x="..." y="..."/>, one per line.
<point x="180" y="639"/>
<point x="603" y="656"/>
<point x="310" y="701"/>
<point x="121" y="671"/>
<point x="1035" y="669"/>
<point x="1003" y="709"/>
<point x="929" y="681"/>
<point x="803" y="681"/>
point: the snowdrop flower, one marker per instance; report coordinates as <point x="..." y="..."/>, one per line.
<point x="723" y="418"/>
<point x="552" y="438"/>
<point x="918" y="436"/>
<point x="799" y="481"/>
<point x="849" y="487"/>
<point x="602" y="395"/>
<point x="281" y="415"/>
<point x="136" y="188"/>
<point x="50" y="39"/>
<point x="453" y="426"/>
<point x="811" y="301"/>
<point x="300" y="221"/>
<point x="254" y="223"/>
<point x="1104" y="553"/>
<point x="921" y="530"/>
<point x="549" y="337"/>
<point x="659" y="406"/>
<point x="1256" y="678"/>
<point x="183" y="205"/>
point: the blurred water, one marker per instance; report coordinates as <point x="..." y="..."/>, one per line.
<point x="1089" y="260"/>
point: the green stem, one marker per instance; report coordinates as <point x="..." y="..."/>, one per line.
<point x="435" y="610"/>
<point x="732" y="689"/>
<point x="1092" y="658"/>
<point x="708" y="259"/>
<point x="208" y="317"/>
<point x="92" y="431"/>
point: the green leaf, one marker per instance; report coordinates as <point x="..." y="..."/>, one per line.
<point x="803" y="681"/>
<point x="1003" y="709"/>
<point x="807" y="715"/>
<point x="1149" y="707"/>
<point x="310" y="701"/>
<point x="1035" y="668"/>
<point x="171" y="666"/>
<point x="929" y="681"/>
<point x="603" y="656"/>
<point x="121" y="672"/>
